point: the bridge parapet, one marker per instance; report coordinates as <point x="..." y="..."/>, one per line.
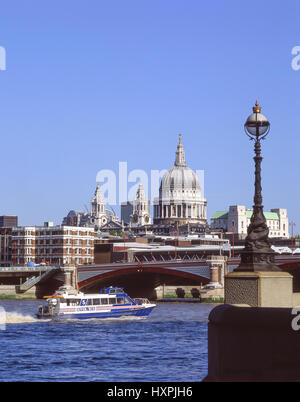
<point x="39" y="268"/>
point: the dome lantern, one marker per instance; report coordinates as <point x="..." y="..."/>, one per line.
<point x="180" y="155"/>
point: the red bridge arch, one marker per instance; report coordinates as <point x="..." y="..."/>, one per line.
<point x="147" y="278"/>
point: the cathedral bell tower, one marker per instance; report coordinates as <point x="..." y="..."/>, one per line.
<point x="141" y="208"/>
<point x="98" y="210"/>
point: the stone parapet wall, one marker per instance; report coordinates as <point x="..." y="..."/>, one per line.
<point x="253" y="344"/>
<point x="11" y="290"/>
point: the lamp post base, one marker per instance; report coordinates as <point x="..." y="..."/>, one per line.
<point x="259" y="289"/>
<point x="254" y="261"/>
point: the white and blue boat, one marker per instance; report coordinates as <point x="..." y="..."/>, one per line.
<point x="111" y="302"/>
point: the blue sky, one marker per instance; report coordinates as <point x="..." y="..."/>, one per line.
<point x="91" y="83"/>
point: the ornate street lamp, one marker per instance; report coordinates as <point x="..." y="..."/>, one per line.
<point x="257" y="254"/>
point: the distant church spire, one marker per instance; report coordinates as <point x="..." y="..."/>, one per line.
<point x="98" y="197"/>
<point x="180" y="156"/>
<point x="141" y="208"/>
<point x="140" y="194"/>
<point x="98" y="208"/>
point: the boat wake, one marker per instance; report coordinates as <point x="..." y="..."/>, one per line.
<point x="12" y="317"/>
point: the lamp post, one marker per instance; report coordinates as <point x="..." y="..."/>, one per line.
<point x="232" y="228"/>
<point x="15" y="253"/>
<point x="257" y="254"/>
<point x="124" y="237"/>
<point x="175" y="243"/>
<point x="292" y="224"/>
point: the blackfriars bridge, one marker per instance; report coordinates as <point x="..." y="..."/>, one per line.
<point x="138" y="279"/>
<point x="145" y="277"/>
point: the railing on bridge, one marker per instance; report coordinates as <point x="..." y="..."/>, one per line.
<point x="38" y="268"/>
<point x="159" y="259"/>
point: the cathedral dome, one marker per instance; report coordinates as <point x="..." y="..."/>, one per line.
<point x="180" y="177"/>
<point x="180" y="198"/>
<point x="180" y="180"/>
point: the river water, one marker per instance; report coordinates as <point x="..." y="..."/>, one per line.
<point x="169" y="345"/>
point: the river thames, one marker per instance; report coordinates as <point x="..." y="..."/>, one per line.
<point x="169" y="345"/>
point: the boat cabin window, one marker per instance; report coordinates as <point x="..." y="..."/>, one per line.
<point x="104" y="301"/>
<point x="120" y="300"/>
<point x="89" y="302"/>
<point x="112" y="300"/>
<point x="96" y="302"/>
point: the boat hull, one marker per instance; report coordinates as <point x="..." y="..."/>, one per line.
<point x="114" y="313"/>
<point x="111" y="302"/>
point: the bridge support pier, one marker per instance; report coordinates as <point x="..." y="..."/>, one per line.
<point x="70" y="274"/>
<point x="218" y="267"/>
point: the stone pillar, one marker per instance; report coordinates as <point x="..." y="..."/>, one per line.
<point x="214" y="275"/>
<point x="67" y="278"/>
<point x="222" y="271"/>
<point x="70" y="274"/>
<point x="217" y="265"/>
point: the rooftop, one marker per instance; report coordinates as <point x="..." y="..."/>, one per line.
<point x="220" y="215"/>
<point x="249" y="212"/>
<point x="268" y="215"/>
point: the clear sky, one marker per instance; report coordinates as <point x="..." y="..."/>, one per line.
<point x="91" y="83"/>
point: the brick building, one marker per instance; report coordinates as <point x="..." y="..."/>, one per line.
<point x="8" y="221"/>
<point x="5" y="246"/>
<point x="53" y="245"/>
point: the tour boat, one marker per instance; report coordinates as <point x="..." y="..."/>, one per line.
<point x="111" y="302"/>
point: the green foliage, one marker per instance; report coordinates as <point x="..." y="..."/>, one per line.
<point x="212" y="300"/>
<point x="4" y="296"/>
